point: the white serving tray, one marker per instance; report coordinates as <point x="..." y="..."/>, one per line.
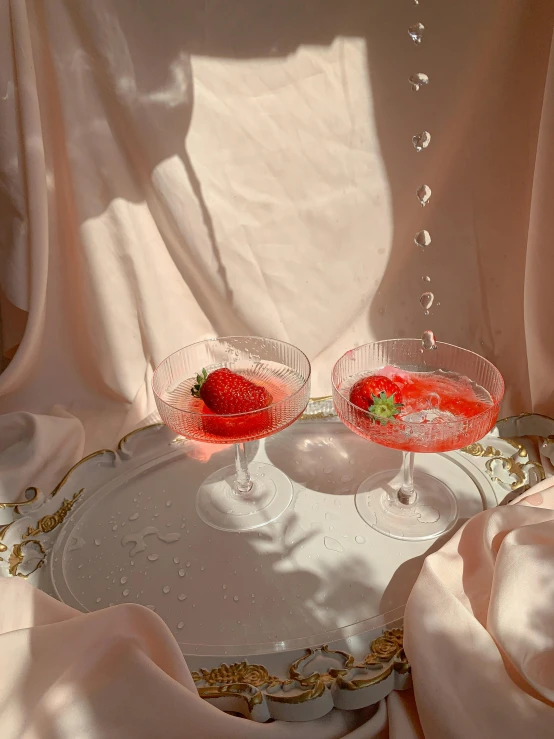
<point x="122" y="527"/>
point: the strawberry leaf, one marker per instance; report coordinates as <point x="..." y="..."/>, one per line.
<point x="200" y="380"/>
<point x="384" y="409"/>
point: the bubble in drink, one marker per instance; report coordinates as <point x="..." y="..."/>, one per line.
<point x="416" y="33"/>
<point x="423" y="195"/>
<point x="428" y="340"/>
<point x="426" y="278"/>
<point x="418" y="80"/>
<point x="423" y="239"/>
<point x="421" y="140"/>
<point x="426" y="301"/>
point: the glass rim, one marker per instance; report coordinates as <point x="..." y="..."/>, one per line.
<point x="457" y="422"/>
<point x="244" y="414"/>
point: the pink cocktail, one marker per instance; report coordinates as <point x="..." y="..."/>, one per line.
<point x="448" y="398"/>
<point x="246" y="495"/>
<point x="190" y="417"/>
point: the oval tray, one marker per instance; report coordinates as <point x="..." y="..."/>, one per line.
<point x="316" y="579"/>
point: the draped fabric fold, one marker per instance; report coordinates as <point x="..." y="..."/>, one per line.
<point x="119" y="672"/>
<point x="173" y="172"/>
<point x="479" y="630"/>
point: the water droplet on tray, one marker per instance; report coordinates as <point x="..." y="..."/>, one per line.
<point x="181" y="573"/>
<point x="360" y="539"/>
<point x="77" y="542"/>
<point x="418" y="80"/>
<point x="126" y="592"/>
<point x="97" y="542"/>
<point x="416" y="33"/>
<point x="423" y="195"/>
<point x="169" y="538"/>
<point x="123" y="580"/>
<point x="176" y="560"/>
<point x="426" y="301"/>
<point x="166" y="589"/>
<point x="138" y="539"/>
<point x="332" y="544"/>
<point x="133" y="517"/>
<point x="235" y="598"/>
<point x="426" y="278"/>
<point x="152" y="608"/>
<point x="153" y="557"/>
<point x="421" y="140"/>
<point x="182" y="597"/>
<point x="422" y="238"/>
<point x="98" y="600"/>
<point x="428" y="340"/>
<point x="180" y="625"/>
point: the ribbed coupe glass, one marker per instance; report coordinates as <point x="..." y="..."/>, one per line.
<point x="420" y="506"/>
<point x="246" y="495"/>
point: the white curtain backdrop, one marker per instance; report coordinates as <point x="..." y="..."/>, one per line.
<point x="172" y="171"/>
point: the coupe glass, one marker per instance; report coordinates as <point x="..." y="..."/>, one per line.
<point x="245" y="495"/>
<point x="418" y="506"/>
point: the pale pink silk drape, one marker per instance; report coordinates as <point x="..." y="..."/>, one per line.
<point x="172" y="171"/>
<point x="119" y="673"/>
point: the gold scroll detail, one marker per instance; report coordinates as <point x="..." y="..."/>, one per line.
<point x="386" y="656"/>
<point x="52" y="520"/>
<point x="17" y="557"/>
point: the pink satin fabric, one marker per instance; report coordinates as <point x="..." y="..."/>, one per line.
<point x="120" y="673"/>
<point x="479" y="626"/>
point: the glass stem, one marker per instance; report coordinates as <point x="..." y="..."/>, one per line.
<point x="243" y="481"/>
<point x="407" y="494"/>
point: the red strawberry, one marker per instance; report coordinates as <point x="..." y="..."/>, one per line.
<point x="379" y="396"/>
<point x="225" y="392"/>
<point x="236" y="427"/>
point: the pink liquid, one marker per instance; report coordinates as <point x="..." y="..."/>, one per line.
<point x="192" y="418"/>
<point x="441" y="411"/>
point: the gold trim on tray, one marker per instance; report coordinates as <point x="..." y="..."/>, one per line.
<point x="386" y="657"/>
<point x="478" y="450"/>
<point x="49" y="522"/>
<point x="99" y="453"/>
<point x="17" y="558"/>
<point x="3" y="529"/>
<point x="125" y="438"/>
<point x="510" y="465"/>
<point x="28" y="501"/>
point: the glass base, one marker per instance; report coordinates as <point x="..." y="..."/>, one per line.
<point x="434" y="512"/>
<point x="220" y="506"/>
